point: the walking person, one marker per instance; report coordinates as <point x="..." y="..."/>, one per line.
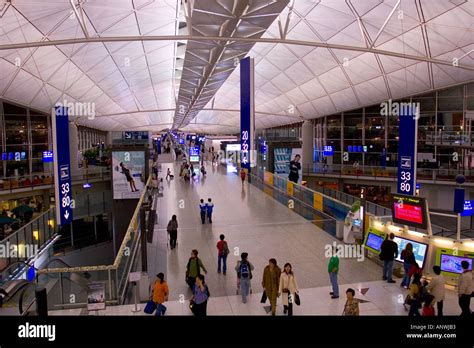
<point x="210" y="209"/>
<point x="388" y="252"/>
<point x="436" y="288"/>
<point x="160" y="294"/>
<point x="244" y="274"/>
<point x="168" y="174"/>
<point x="465" y="289"/>
<point x="288" y="289"/>
<point x="203" y="169"/>
<point x="351" y="308"/>
<point x="333" y="270"/>
<point x="193" y="269"/>
<point x="409" y="261"/>
<point x="222" y="252"/>
<point x="271" y="282"/>
<point x="200" y="296"/>
<point x="243" y="175"/>
<point x="203" y="211"/>
<point x="295" y="167"/>
<point x="172" y="229"/>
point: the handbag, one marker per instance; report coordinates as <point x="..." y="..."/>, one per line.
<point x="191" y="305"/>
<point x="297" y="299"/>
<point x="264" y="297"/>
<point x="150" y="307"/>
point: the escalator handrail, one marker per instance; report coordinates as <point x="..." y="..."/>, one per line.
<point x="16" y="263"/>
<point x="56" y="259"/>
<point x="22" y="295"/>
<point x="21" y="285"/>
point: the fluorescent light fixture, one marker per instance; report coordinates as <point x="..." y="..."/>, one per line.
<point x="445" y="242"/>
<point x="417" y="234"/>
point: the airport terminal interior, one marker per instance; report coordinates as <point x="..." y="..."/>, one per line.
<point x="236" y="157"/>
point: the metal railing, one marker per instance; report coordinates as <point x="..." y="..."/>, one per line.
<point x="115" y="276"/>
<point x="449" y="138"/>
<point x="35" y="182"/>
<point x="29" y="237"/>
<point x="387" y="173"/>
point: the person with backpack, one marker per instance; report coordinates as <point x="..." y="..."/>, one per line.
<point x="210" y="209"/>
<point x="271" y="282"/>
<point x="409" y="261"/>
<point x="244" y="274"/>
<point x="288" y="288"/>
<point x="172" y="230"/>
<point x="203" y="211"/>
<point x="388" y="252"/>
<point x="160" y="294"/>
<point x="193" y="269"/>
<point x="222" y="252"/>
<point x="200" y="296"/>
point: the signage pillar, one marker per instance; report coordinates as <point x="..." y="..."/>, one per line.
<point x="407" y="151"/>
<point x="62" y="166"/>
<point x="247" y="114"/>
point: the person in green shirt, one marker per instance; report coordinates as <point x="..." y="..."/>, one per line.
<point x="333" y="269"/>
<point x="193" y="269"/>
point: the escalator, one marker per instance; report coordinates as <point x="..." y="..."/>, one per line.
<point x="21" y="293"/>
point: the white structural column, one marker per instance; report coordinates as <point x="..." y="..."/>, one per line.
<point x="307" y="148"/>
<point x="73" y="148"/>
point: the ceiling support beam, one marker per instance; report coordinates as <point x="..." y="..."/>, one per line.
<point x="236" y="39"/>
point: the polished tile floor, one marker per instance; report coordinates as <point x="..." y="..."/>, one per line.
<point x="380" y="299"/>
<point x="254" y="222"/>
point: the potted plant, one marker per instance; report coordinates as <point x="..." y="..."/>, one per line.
<point x="91" y="156"/>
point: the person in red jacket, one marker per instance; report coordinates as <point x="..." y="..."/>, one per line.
<point x="222" y="252"/>
<point x="243" y="175"/>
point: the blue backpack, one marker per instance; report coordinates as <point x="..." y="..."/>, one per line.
<point x="244" y="270"/>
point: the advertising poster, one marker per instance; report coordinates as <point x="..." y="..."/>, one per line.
<point x="128" y="174"/>
<point x="282" y="160"/>
<point x="95" y="296"/>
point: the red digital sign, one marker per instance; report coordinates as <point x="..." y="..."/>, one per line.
<point x="408" y="212"/>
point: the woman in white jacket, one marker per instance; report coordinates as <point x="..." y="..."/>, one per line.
<point x="288" y="286"/>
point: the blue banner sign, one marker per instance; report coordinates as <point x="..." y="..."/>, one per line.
<point x="62" y="166"/>
<point x="407" y="150"/>
<point x="246" y="111"/>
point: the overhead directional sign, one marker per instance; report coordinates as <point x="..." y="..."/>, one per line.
<point x="407" y="151"/>
<point x="62" y="166"/>
<point x="247" y="112"/>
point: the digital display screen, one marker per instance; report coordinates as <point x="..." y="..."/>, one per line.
<point x="181" y="141"/>
<point x="452" y="264"/>
<point x="328" y="150"/>
<point x="23" y="156"/>
<point x="419" y="249"/>
<point x="468" y="211"/>
<point x="194" y="151"/>
<point x="374" y="242"/>
<point x="4" y="156"/>
<point x="47" y="156"/>
<point x="409" y="210"/>
<point x="194" y="158"/>
<point x="232" y="147"/>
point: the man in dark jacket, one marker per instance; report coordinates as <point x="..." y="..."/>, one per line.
<point x="389" y="251"/>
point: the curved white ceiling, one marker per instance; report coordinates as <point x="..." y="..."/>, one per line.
<point x="132" y="82"/>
